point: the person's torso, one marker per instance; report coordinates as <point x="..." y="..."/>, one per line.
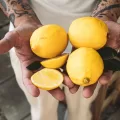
<point x="62" y="12"/>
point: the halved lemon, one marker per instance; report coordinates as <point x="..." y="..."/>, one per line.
<point x="47" y="79"/>
<point x="56" y="62"/>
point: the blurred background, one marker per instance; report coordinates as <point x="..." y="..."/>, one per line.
<point x="13" y="104"/>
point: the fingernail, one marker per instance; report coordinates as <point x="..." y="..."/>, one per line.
<point x="73" y="90"/>
<point x="61" y="98"/>
<point x="33" y="91"/>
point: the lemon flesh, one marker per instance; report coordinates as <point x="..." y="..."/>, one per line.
<point x="47" y="79"/>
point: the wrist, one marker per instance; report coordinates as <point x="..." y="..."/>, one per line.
<point x="26" y="18"/>
<point x="106" y="18"/>
<point x="103" y="17"/>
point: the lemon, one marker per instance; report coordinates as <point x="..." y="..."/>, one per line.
<point x="84" y="66"/>
<point x="88" y="32"/>
<point x="56" y="62"/>
<point x="47" y="79"/>
<point x="49" y="41"/>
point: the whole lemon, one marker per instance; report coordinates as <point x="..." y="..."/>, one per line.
<point x="84" y="66"/>
<point x="88" y="32"/>
<point x="49" y="41"/>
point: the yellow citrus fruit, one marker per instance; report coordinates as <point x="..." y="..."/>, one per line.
<point x="47" y="79"/>
<point x="56" y="62"/>
<point x="88" y="32"/>
<point x="84" y="66"/>
<point x="49" y="41"/>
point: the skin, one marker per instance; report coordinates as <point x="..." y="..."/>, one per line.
<point x="109" y="12"/>
<point x="25" y="21"/>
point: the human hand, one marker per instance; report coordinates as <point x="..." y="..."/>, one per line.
<point x="113" y="42"/>
<point x="20" y="39"/>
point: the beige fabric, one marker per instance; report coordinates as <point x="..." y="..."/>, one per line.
<point x="62" y="12"/>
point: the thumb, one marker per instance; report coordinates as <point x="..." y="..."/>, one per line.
<point x="8" y="42"/>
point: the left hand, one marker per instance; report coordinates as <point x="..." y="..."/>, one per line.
<point x="114" y="42"/>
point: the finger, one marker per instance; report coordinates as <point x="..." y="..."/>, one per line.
<point x="32" y="89"/>
<point x="72" y="87"/>
<point x="58" y="94"/>
<point x="89" y="90"/>
<point x="105" y="78"/>
<point x="8" y="42"/>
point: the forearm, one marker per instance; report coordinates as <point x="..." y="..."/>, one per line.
<point x="108" y="10"/>
<point x="17" y="10"/>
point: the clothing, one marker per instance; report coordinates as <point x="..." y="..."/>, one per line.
<point x="62" y="12"/>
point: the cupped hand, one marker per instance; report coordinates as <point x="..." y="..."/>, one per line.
<point x="114" y="42"/>
<point x="20" y="39"/>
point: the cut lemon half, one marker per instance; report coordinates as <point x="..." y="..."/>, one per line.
<point x="56" y="62"/>
<point x="47" y="79"/>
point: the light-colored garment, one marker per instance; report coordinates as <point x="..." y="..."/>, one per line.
<point x="61" y="12"/>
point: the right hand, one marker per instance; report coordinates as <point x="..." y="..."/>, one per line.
<point x="20" y="39"/>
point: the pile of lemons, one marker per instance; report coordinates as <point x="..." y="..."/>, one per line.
<point x="84" y="65"/>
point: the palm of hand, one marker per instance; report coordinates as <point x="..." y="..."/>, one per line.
<point x="114" y="42"/>
<point x="20" y="39"/>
